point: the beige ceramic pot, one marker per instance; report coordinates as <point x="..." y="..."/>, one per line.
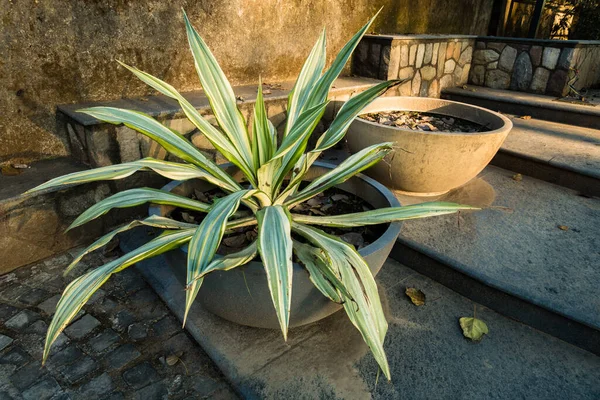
<point x="429" y="163"/>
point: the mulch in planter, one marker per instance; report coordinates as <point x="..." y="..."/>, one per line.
<point x="422" y="121"/>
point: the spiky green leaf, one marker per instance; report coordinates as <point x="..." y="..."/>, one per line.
<point x="219" y="93"/>
<point x="309" y="75"/>
<point x="230" y="261"/>
<point x="136" y="197"/>
<point x="275" y="248"/>
<point x="216" y="137"/>
<point x="347" y="169"/>
<point x="263" y="147"/>
<point x="364" y="309"/>
<point x="171" y="141"/>
<point x="171" y="170"/>
<point x="384" y="215"/>
<point x="205" y="242"/>
<point x="81" y="289"/>
<point x="153" y="221"/>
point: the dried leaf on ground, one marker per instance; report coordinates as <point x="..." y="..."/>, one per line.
<point x="525" y="117"/>
<point x="416" y="296"/>
<point x="563" y="227"/>
<point x="517" y="177"/>
<point x="473" y="328"/>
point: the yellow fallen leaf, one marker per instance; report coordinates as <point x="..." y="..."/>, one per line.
<point x="517" y="177"/>
<point x="563" y="227"/>
<point x="416" y="296"/>
<point x="525" y="117"/>
<point x="473" y="328"/>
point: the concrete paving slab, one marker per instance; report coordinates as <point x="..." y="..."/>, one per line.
<point x="428" y="356"/>
<point x="565" y="146"/>
<point x="523" y="252"/>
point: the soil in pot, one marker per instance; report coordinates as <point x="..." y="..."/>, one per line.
<point x="424" y="121"/>
<point x="331" y="202"/>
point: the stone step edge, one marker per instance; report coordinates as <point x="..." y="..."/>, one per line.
<point x="519" y="103"/>
<point x="557" y="173"/>
<point x="458" y="278"/>
<point x="163" y="107"/>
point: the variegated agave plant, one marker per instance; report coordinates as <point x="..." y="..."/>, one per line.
<point x="274" y="172"/>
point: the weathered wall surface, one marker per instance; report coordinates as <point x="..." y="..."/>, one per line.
<point x="61" y="51"/>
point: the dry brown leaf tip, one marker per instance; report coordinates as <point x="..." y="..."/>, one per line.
<point x="563" y="227"/>
<point x="517" y="177"/>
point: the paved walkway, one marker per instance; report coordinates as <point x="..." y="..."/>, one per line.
<point x="124" y="345"/>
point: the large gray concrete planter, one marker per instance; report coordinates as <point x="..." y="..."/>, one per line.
<point x="429" y="163"/>
<point x="242" y="295"/>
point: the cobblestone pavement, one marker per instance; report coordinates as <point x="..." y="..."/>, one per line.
<point x="125" y="344"/>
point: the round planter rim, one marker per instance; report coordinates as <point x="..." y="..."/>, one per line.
<point x="507" y="122"/>
<point x="391" y="233"/>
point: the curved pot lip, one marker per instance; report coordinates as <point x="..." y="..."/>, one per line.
<point x="390" y="234"/>
<point x="502" y="130"/>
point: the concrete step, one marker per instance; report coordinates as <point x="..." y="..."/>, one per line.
<point x="33" y="227"/>
<point x="564" y="154"/>
<point x="98" y="144"/>
<point x="519" y="103"/>
<point x="428" y="356"/>
<point x="518" y="262"/>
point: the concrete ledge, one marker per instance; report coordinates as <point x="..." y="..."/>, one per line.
<point x="518" y="103"/>
<point x="424" y="345"/>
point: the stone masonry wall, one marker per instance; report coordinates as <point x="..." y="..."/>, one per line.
<point x="63" y="51"/>
<point x="429" y="62"/>
<point x="538" y="66"/>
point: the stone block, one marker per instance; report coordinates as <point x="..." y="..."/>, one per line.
<point x="97" y="387"/>
<point x="39" y="327"/>
<point x="446" y="81"/>
<point x="428" y="53"/>
<point x="428" y="73"/>
<point x="480" y="45"/>
<point x="464" y="78"/>
<point x="485" y="56"/>
<point x="49" y="305"/>
<point x="384" y="62"/>
<point x="497" y="79"/>
<point x="522" y="73"/>
<point x="122" y="356"/>
<point x="450" y="50"/>
<point x="5" y="341"/>
<point x="465" y="56"/>
<point x="406" y="73"/>
<point x="22" y="320"/>
<point x="15" y="356"/>
<point x="456" y="52"/>
<point x="82" y="327"/>
<point x="434" y="56"/>
<point x="492" y="65"/>
<point x="557" y="84"/>
<point x="102" y="146"/>
<point x="458" y="72"/>
<point x="441" y="59"/>
<point x="182" y="125"/>
<point x="499" y="47"/>
<point x="449" y="66"/>
<point x="540" y="80"/>
<point x="434" y="89"/>
<point x="129" y="144"/>
<point x="420" y="55"/>
<point x="33" y="297"/>
<point x="394" y="63"/>
<point x="550" y="57"/>
<point x="27" y="376"/>
<point x="412" y="54"/>
<point x="75" y="372"/>
<point x="416" y="84"/>
<point x="404" y="55"/>
<point x="566" y="58"/>
<point x="507" y="59"/>
<point x="424" y="89"/>
<point x="66" y="356"/>
<point x="103" y="341"/>
<point x="46" y="389"/>
<point x="140" y="375"/>
<point x="405" y="89"/>
<point x="536" y="55"/>
<point x="156" y="391"/>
